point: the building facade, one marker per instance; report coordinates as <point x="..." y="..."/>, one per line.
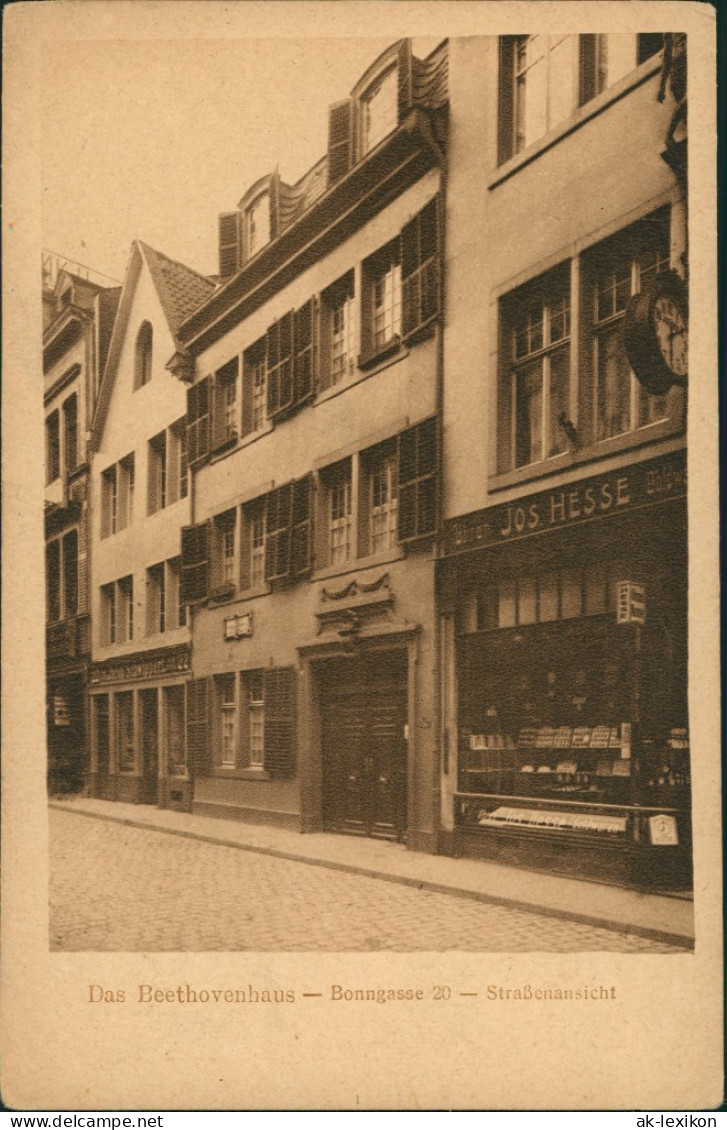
<point x="141" y="648"/>
<point x="78" y="313"/>
<point x="563" y="584"/>
<point x="313" y="440"/>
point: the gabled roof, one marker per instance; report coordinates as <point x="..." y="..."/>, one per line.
<point x="180" y="291"/>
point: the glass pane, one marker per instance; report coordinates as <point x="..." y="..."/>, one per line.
<point x="651" y="408"/>
<point x="559" y="400"/>
<point x="506" y="609"/>
<point x="571" y="584"/>
<point x="526" y="601"/>
<point x="596" y="589"/>
<point x="529" y="414"/>
<point x="613" y="394"/>
<point x="561" y="80"/>
<point x="548" y="597"/>
<point x="618" y="55"/>
<point x="487" y="610"/>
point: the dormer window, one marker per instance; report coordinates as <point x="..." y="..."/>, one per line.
<point x="257" y="224"/>
<point x="380" y="110"/>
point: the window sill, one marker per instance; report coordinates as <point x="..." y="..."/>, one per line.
<point x="226" y="445"/>
<point x="368" y="360"/>
<point x="222" y="594"/>
<point x="578" y="118"/>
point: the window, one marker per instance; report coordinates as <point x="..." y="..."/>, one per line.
<point x="254" y="388"/>
<point x="543" y="78"/>
<point x="337" y="482"/>
<point x="52" y="447"/>
<point x="126" y="478"/>
<point x="70" y="573"/>
<point x="157" y="473"/>
<point x="125" y="747"/>
<point x="225" y="407"/>
<point x="156" y="600"/>
<point x="252" y="573"/>
<point x="621" y="267"/>
<point x="53" y="580"/>
<point x="225" y="574"/>
<point x="553" y="595"/>
<point x="177" y="484"/>
<point x="183" y="471"/>
<point x="198" y="421"/>
<point x="420" y="269"/>
<point x="126" y="609"/>
<point x="382" y="310"/>
<point x="338" y="331"/>
<point x="227" y="707"/>
<point x="257" y="224"/>
<point x="379" y="110"/>
<point x="280" y="365"/>
<point x="108" y="614"/>
<point x="381" y="501"/>
<point x="70" y="433"/>
<point x="535" y="409"/>
<point x="417" y="488"/>
<point x="254" y="709"/>
<point x="143" y="355"/>
<point x="109" y="502"/>
<point x="176" y="609"/>
<point x="195" y="563"/>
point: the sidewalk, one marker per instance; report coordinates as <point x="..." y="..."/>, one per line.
<point x="659" y="917"/>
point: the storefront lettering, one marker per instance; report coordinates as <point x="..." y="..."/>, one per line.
<point x="140" y="669"/>
<point x="580" y="502"/>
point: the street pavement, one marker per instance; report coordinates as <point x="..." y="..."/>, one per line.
<point x="119" y="888"/>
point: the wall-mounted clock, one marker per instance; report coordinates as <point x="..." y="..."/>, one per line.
<point x="656" y="334"/>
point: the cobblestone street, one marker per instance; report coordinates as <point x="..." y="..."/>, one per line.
<point x="115" y="887"/>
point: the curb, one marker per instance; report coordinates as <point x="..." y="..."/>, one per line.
<point x="629" y="929"/>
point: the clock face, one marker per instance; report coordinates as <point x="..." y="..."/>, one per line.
<point x="671" y="334"/>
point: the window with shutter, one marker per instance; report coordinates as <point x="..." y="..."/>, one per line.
<point x="277" y="543"/>
<point x="225" y="405"/>
<point x="254" y="388"/>
<point x="195" y="563"/>
<point x="229" y="243"/>
<point x="304" y="352"/>
<point x="280" y="365"/>
<point x="198" y="421"/>
<point x="340" y="140"/>
<point x="280" y="737"/>
<point x="198" y="725"/>
<point x="418" y="481"/>
<point x="301" y="537"/>
<point x="420" y="270"/>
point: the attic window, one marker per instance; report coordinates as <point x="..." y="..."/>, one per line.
<point x="142" y="361"/>
<point x="257" y="224"/>
<point x="379" y="110"/>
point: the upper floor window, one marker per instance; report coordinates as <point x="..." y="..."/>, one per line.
<point x="622" y="267"/>
<point x="338" y="331"/>
<point x="117" y="496"/>
<point x="225" y="526"/>
<point x="52" y="447"/>
<point x="157" y="457"/>
<point x="225" y="405"/>
<point x="257" y="224"/>
<point x="337" y="482"/>
<point x="379" y="110"/>
<point x="70" y="433"/>
<point x="380" y="468"/>
<point x="382" y="298"/>
<point x="62" y="589"/>
<point x="544" y="78"/>
<point x="537" y="337"/>
<point x="254" y="388"/>
<point x="143" y="358"/>
<point x="108" y="632"/>
<point x="156" y="599"/>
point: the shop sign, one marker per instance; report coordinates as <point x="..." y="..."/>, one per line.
<point x="619" y="492"/>
<point x="630" y="603"/>
<point x="136" y="667"/>
<point x="61" y="717"/>
<point x="663" y="830"/>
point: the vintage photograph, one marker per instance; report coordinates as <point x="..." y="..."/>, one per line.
<point x="366" y="499"/>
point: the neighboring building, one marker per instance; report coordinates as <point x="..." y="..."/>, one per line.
<point x="566" y="728"/>
<point x="140" y="501"/>
<point x="78" y="313"/>
<point x="313" y="438"/>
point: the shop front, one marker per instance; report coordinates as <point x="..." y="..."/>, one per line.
<point x="570" y="645"/>
<point x="138" y="747"/>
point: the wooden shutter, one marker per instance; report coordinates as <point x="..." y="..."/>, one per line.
<point x="198" y="726"/>
<point x="405" y="72"/>
<point x="420" y="269"/>
<point x="303" y="365"/>
<point x="279" y="706"/>
<point x="279" y="514"/>
<point x="195" y="580"/>
<point x="198" y="421"/>
<point x="588" y="50"/>
<point x="301" y="539"/>
<point x="340" y="140"/>
<point x="506" y="118"/>
<point x="280" y="365"/>
<point x="245" y="546"/>
<point x="418" y="461"/>
<point x="229" y="243"/>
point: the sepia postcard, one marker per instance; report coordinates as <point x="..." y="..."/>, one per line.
<point x="361" y="587"/>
